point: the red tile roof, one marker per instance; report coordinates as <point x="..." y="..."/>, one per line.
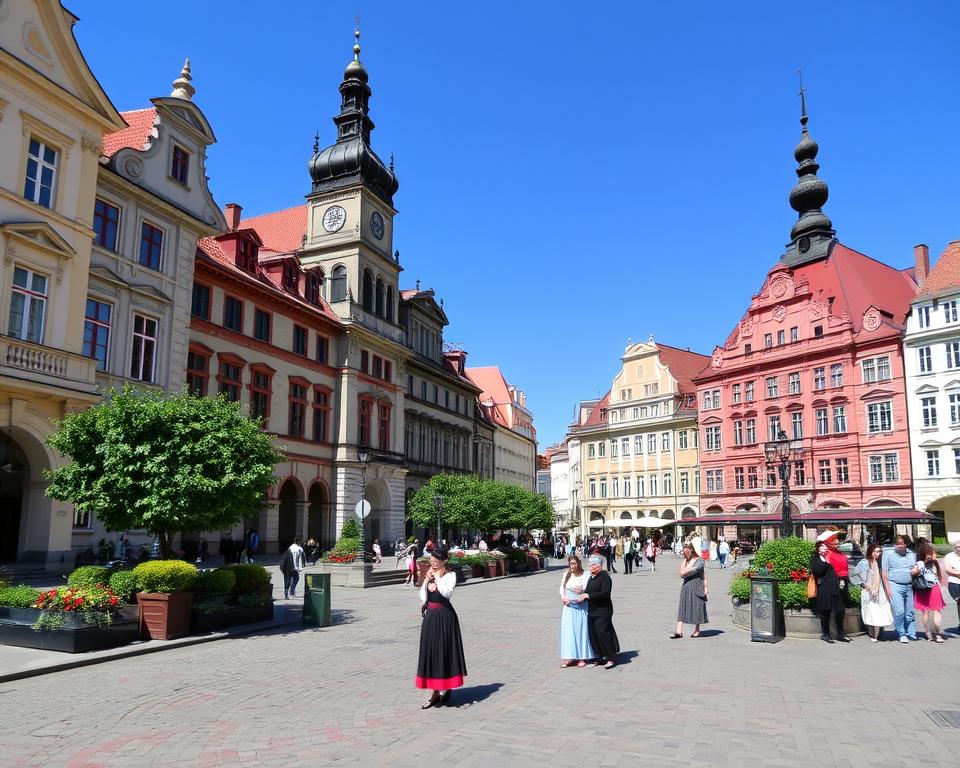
<point x="595" y="415"/>
<point x="945" y="275"/>
<point x="281" y="231"/>
<point x="684" y="365"/>
<point x="140" y="128"/>
<point x="859" y="282"/>
<point x="491" y="382"/>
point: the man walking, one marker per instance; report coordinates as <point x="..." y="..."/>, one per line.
<point x="722" y="551"/>
<point x="292" y="562"/>
<point x="629" y="553"/>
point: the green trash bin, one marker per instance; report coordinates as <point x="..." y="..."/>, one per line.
<point x="316" y="599"/>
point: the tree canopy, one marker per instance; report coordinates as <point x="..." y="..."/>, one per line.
<point x="165" y="463"/>
<point x="483" y="505"/>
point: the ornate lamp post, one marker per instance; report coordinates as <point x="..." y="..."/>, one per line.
<point x="438" y="503"/>
<point x="781" y="453"/>
<point x="363" y="456"/>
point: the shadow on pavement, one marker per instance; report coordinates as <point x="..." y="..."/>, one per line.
<point x="710" y="633"/>
<point x="465" y="697"/>
<point x="625" y="657"/>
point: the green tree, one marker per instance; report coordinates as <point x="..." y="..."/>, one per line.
<point x="166" y="463"/>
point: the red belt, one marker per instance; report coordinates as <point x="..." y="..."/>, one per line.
<point x="434" y="605"/>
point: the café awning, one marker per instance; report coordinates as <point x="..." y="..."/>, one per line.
<point x="868" y="515"/>
<point x="745" y="519"/>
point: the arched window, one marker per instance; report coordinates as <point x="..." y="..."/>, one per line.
<point x="338" y="284"/>
<point x="367" y="291"/>
<point x="380" y="297"/>
<point x="389" y="308"/>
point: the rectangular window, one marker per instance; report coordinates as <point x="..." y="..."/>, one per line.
<point x="799" y="473"/>
<point x="923" y="316"/>
<point x="625" y="446"/>
<point x="364" y="424"/>
<point x="714" y="481"/>
<point x="738" y="478"/>
<point x="365" y="368"/>
<point x="603" y="487"/>
<point x="950" y="311"/>
<point x="28" y="305"/>
<point x="377" y="372"/>
<point x="641" y="487"/>
<point x="781" y="338"/>
<point x="591" y="450"/>
<point x="817" y="331"/>
<point x="383" y="433"/>
<point x="233" y="314"/>
<point x="771" y="386"/>
<point x="736" y="393"/>
<point x="929" y="410"/>
<point x="200" y="306"/>
<point x="796" y="423"/>
<point x="682" y="440"/>
<point x="41" y="173"/>
<point x="323" y="349"/>
<point x="956" y="461"/>
<point x="260" y="395"/>
<point x="593" y="488"/>
<point x="96" y="332"/>
<point x="651" y="443"/>
<point x="891" y="467"/>
<point x="953" y="354"/>
<point x="771" y="478"/>
<point x="638" y="444"/>
<point x="926" y="359"/>
<point x="876" y="369"/>
<point x="613" y="448"/>
<point x="839" y="419"/>
<point x="151" y="246"/>
<point x="768" y="340"/>
<point x="627" y="491"/>
<point x="748" y="392"/>
<point x="794" y="334"/>
<point x="753" y="478"/>
<point x="879" y="417"/>
<point x="751" y="435"/>
<point x="229" y="381"/>
<point x="321" y="416"/>
<point x="843" y="472"/>
<point x="667" y="483"/>
<point x="665" y="441"/>
<point x="738" y="432"/>
<point x="819" y="379"/>
<point x="793" y="383"/>
<point x="198" y="372"/>
<point x="954" y="399"/>
<point x="684" y="483"/>
<point x="773" y="427"/>
<point x="261" y="325"/>
<point x="180" y="166"/>
<point x="712" y="438"/>
<point x="106" y="220"/>
<point x="933" y="463"/>
<point x="836" y="375"/>
<point x="653" y="485"/>
<point x="247" y="256"/>
<point x="826" y="474"/>
<point x="144" y="355"/>
<point x="876" y="469"/>
<point x="298" y="409"/>
<point x="823" y="423"/>
<point x="616" y="487"/>
<point x="299" y="340"/>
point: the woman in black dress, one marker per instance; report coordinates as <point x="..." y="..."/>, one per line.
<point x="828" y="600"/>
<point x="441" y="666"/>
<point x="603" y="637"/>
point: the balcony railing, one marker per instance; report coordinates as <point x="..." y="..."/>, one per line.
<point x="46" y="365"/>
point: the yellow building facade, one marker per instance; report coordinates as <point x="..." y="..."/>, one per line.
<point x="639" y="446"/>
<point x="53" y="115"/>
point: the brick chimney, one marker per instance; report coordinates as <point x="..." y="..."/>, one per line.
<point x="921" y="257"/>
<point x="232" y="212"/>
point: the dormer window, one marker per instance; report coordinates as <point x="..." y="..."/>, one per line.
<point x="289" y="280"/>
<point x="247" y="256"/>
<point x="314" y="282"/>
<point x="180" y="165"/>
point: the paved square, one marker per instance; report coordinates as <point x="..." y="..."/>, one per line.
<point x="344" y="695"/>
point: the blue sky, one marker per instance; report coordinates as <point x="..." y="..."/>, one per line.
<point x="575" y="175"/>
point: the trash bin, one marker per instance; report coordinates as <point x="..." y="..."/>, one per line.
<point x="316" y="599"/>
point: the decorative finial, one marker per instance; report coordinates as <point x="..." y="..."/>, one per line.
<point x="441" y="302"/>
<point x="182" y="89"/>
<point x="316" y="142"/>
<point x="356" y="40"/>
<point x="803" y="102"/>
<point x="391" y="162"/>
<point x="418" y="284"/>
<point x="396" y="256"/>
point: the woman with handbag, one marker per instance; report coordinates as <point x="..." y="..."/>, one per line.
<point x="874" y="605"/>
<point x="928" y="599"/>
<point x="828" y="601"/>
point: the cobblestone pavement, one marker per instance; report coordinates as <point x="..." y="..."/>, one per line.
<point x="344" y="695"/>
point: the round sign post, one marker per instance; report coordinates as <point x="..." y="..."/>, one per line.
<point x="362" y="509"/>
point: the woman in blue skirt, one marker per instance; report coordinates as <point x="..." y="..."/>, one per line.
<point x="574" y="632"/>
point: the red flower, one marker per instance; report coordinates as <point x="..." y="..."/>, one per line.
<point x="769" y="566"/>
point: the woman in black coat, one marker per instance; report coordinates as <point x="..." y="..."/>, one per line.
<point x="603" y="637"/>
<point x="828" y="600"/>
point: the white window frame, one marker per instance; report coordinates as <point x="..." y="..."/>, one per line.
<point x="41" y="165"/>
<point x="925" y="359"/>
<point x="875" y="414"/>
<point x="156" y="344"/>
<point x="840" y="419"/>
<point x="928" y="411"/>
<point x="933" y="462"/>
<point x="923" y="316"/>
<point x="30" y="296"/>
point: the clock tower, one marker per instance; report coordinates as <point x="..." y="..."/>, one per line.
<point x="350" y="209"/>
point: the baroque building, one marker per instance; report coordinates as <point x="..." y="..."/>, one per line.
<point x="816" y="357"/>
<point x="53" y="115"/>
<point x="931" y="349"/>
<point x="639" y="443"/>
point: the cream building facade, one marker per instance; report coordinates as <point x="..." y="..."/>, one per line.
<point x="639" y="444"/>
<point x="53" y="115"/>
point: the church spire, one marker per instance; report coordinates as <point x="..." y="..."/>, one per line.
<point x="812" y="236"/>
<point x="182" y="87"/>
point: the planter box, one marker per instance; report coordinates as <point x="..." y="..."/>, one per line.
<point x="346" y="574"/>
<point x="478" y="571"/>
<point x="164" y="617"/>
<point x="75" y="636"/>
<point x="489" y="570"/>
<point x="501" y="563"/>
<point x="533" y="563"/>
<point x="801" y="623"/>
<point x="231" y="616"/>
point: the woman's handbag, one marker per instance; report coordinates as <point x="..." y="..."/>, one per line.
<point x="919" y="583"/>
<point x="811" y="587"/>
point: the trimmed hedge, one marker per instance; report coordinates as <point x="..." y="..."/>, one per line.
<point x="165" y="576"/>
<point x="89" y="576"/>
<point x="124" y="584"/>
<point x="20" y="596"/>
<point x="247" y="577"/>
<point x="219" y="581"/>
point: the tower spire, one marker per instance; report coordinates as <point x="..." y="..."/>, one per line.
<point x="182" y="87"/>
<point x="812" y="235"/>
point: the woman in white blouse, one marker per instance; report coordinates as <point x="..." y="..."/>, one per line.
<point x="575" y="645"/>
<point x="441" y="666"/>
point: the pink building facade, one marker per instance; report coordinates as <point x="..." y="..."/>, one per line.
<point x="817" y="355"/>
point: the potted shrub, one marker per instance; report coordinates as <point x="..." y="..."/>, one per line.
<point x="165" y="595"/>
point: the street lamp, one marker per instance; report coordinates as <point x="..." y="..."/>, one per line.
<point x="438" y="503"/>
<point x="363" y="456"/>
<point x="478" y="457"/>
<point x="781" y="453"/>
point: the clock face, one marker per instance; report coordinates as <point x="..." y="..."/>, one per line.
<point x="376" y="225"/>
<point x="334" y="218"/>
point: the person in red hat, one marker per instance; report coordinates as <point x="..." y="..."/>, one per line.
<point x="838" y="560"/>
<point x="829" y="599"/>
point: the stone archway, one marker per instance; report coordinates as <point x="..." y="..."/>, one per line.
<point x="290" y="494"/>
<point x="687" y="513"/>
<point x="668" y="514"/>
<point x="43" y="527"/>
<point x="14" y="474"/>
<point x="320" y="522"/>
<point x="378" y="496"/>
<point x="946" y="508"/>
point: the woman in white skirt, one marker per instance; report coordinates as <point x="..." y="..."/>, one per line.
<point x="874" y="605"/>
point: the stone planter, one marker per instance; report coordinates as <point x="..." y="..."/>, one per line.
<point x="164" y="616"/>
<point x="501" y="563"/>
<point x="801" y="622"/>
<point x="477" y="571"/>
<point x="230" y="616"/>
<point x="75" y="636"/>
<point x="489" y="570"/>
<point x="533" y="563"/>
